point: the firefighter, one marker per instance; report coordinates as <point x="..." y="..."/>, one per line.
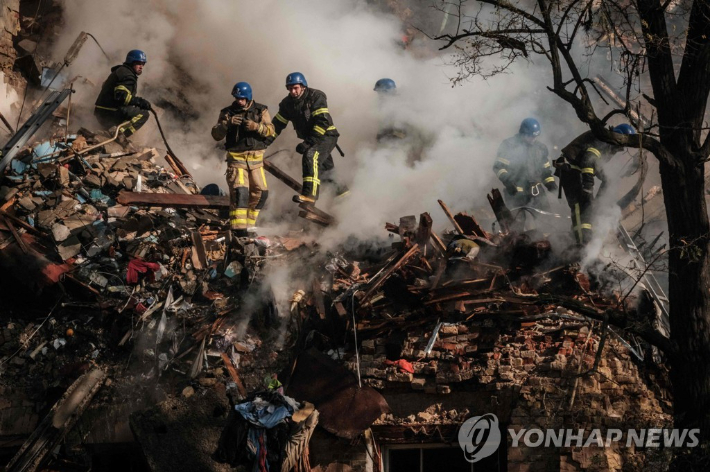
<point x="307" y="109"/>
<point x="522" y="165"/>
<point x="247" y="127"/>
<point x="386" y="86"/>
<point x="582" y="160"/>
<point x="117" y="102"/>
<point x="393" y="131"/>
<point x="386" y="89"/>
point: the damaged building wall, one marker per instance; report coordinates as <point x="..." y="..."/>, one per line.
<point x="529" y="379"/>
<point x="9" y="28"/>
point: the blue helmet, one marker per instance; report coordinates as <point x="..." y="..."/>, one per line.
<point x="385" y="85"/>
<point x="624" y="128"/>
<point x="296" y="78"/>
<point x="136" y="55"/>
<point x="530" y="127"/>
<point x="242" y="90"/>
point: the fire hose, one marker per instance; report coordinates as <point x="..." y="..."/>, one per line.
<point x="176" y="164"/>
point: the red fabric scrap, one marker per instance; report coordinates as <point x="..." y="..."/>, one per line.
<point x="403" y="365"/>
<point x="139" y="266"/>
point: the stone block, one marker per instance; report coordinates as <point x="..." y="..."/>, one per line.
<point x="368" y="346"/>
<point x="418" y="383"/>
<point x="399" y="377"/>
<point x="443" y="389"/>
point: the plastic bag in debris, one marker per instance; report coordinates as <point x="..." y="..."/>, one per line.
<point x="161" y="272"/>
<point x="335" y="263"/>
<point x="59" y="342"/>
<point x="233" y="269"/>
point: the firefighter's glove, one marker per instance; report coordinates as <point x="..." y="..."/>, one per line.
<point x="141" y="103"/>
<point x="511" y="189"/>
<point x="301" y="148"/>
<point x="236" y="120"/>
<point x="251" y="125"/>
<point x="551" y="186"/>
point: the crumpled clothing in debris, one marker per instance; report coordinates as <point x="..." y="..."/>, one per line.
<point x="263" y="414"/>
<point x="257" y="431"/>
<point x="137" y="266"/>
<point x="297" y="445"/>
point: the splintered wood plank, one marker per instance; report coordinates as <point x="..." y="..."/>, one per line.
<point x="503" y="215"/>
<point x="342" y="312"/>
<point x="16" y="235"/>
<point x="318" y="298"/>
<point x="470" y="226"/>
<point x="283" y="176"/>
<point x="313" y="217"/>
<point x="386" y="274"/>
<point x="58" y="422"/>
<point x="451" y="218"/>
<point x="424" y="230"/>
<point x="233" y="374"/>
<point x="199" y="248"/>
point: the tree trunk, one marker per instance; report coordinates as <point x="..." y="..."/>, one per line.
<point x="689" y="290"/>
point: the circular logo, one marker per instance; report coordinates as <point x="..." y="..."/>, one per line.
<point x="479" y="437"/>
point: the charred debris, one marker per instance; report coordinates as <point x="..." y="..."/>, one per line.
<point x="126" y="296"/>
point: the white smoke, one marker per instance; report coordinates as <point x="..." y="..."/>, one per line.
<point x="201" y="48"/>
<point x="198" y="50"/>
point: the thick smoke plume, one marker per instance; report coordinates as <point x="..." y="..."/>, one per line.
<point x="197" y="50"/>
<point x="200" y="49"/>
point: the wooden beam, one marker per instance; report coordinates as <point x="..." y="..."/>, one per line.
<point x="385" y="275"/>
<point x="424" y="231"/>
<point x="24" y="224"/>
<point x="470" y="226"/>
<point x="58" y="422"/>
<point x="199" y="247"/>
<point x="283" y="176"/>
<point x="438" y="243"/>
<point x="233" y="374"/>
<point x="174" y="200"/>
<point x="307" y="215"/>
<point x="318" y="299"/>
<point x="309" y="207"/>
<point x="17" y="236"/>
<point x="503" y="214"/>
<point x="451" y="218"/>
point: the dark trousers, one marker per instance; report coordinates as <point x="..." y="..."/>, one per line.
<point x="318" y="168"/>
<point x="136" y="117"/>
<point x="580" y="204"/>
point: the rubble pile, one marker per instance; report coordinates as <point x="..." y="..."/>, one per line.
<point x="162" y="303"/>
<point x="154" y="297"/>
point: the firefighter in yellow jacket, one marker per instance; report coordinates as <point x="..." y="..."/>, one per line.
<point x="246" y="125"/>
<point x="307" y="109"/>
<point x="581" y="162"/>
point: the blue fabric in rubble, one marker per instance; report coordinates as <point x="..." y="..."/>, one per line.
<point x="263" y="414"/>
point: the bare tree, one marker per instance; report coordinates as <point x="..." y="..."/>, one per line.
<point x="666" y="43"/>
